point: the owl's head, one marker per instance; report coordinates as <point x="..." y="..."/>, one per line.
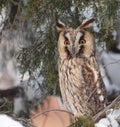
<point x="75" y="42"/>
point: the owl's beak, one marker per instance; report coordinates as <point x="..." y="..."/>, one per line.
<point x="73" y="50"/>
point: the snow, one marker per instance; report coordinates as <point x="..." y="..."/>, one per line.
<point x="6" y="121"/>
<point x="20" y="106"/>
<point x="88" y="12"/>
<point x="103" y="123"/>
<point x="8" y="76"/>
<point x="112" y="119"/>
<point x="111" y="66"/>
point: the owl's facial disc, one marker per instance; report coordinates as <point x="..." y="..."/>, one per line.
<point x="74" y="41"/>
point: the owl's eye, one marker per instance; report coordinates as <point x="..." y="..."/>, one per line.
<point x="82" y="41"/>
<point x="66" y="42"/>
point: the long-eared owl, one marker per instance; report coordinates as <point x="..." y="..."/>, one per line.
<point x="81" y="84"/>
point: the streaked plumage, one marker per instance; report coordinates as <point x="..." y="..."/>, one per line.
<point x="81" y="85"/>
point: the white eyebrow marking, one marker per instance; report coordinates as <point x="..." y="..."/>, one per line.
<point x="78" y="36"/>
<point x="67" y="35"/>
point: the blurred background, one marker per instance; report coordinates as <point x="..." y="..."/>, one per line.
<point x="28" y="44"/>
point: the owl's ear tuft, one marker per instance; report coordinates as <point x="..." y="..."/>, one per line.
<point x="61" y="26"/>
<point x="87" y="23"/>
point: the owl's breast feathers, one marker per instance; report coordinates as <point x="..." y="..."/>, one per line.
<point x="81" y="85"/>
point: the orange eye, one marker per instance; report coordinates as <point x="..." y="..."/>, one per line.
<point x="82" y="41"/>
<point x="66" y="42"/>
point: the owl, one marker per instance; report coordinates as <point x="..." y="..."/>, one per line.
<point x="82" y="88"/>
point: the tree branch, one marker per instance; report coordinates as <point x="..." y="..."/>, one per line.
<point x="50" y="110"/>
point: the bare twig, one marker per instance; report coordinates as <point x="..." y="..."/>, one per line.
<point x="25" y="122"/>
<point x="18" y="10"/>
<point x="117" y="61"/>
<point x="92" y="93"/>
<point x="50" y="110"/>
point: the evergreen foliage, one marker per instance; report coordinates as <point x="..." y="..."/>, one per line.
<point x="43" y="15"/>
